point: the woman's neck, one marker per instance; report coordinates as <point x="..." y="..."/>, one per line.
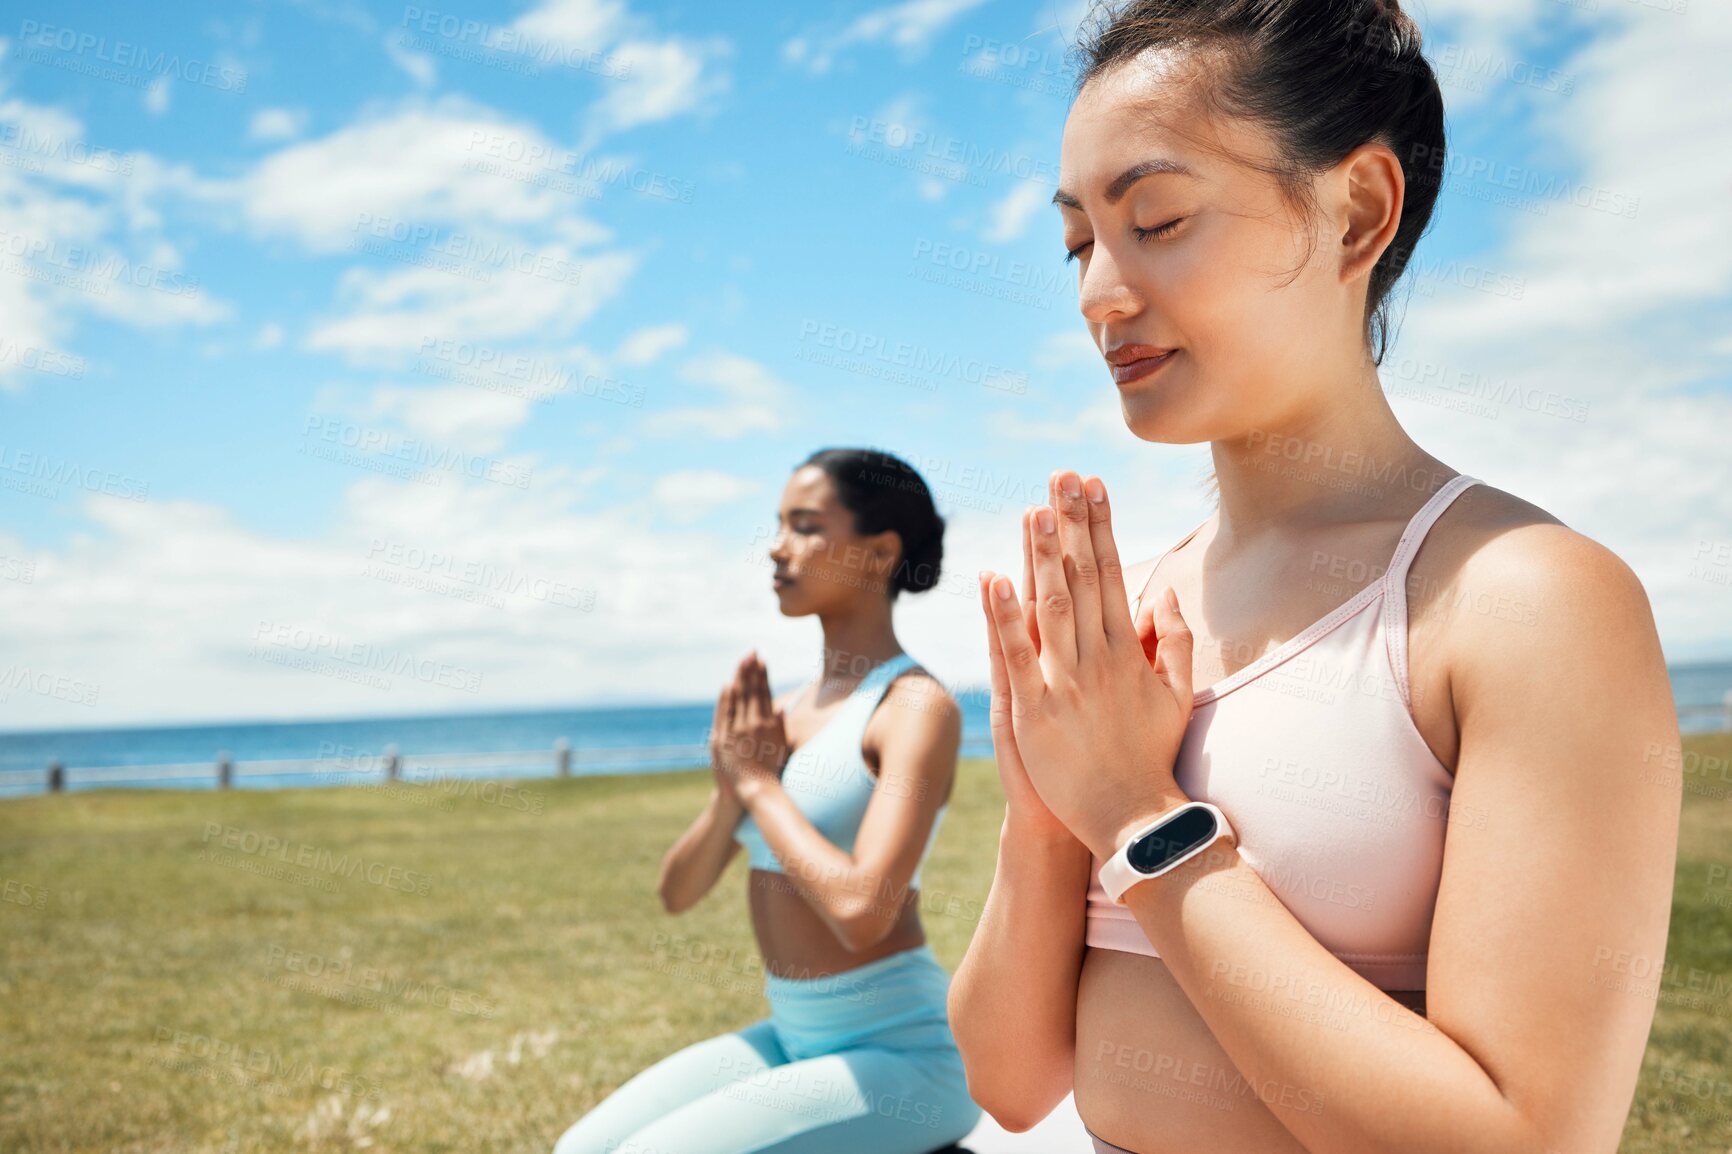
<point x="1340" y="463"/>
<point x="856" y="643"/>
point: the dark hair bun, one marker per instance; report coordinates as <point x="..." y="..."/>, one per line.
<point x="885" y="492"/>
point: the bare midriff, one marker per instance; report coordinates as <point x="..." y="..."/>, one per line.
<point x="1151" y="1077"/>
<point x="795" y="942"/>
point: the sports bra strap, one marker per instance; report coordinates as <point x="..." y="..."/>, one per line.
<point x="866" y="695"/>
<point x="1137" y="601"/>
<point x="1395" y="577"/>
<point x="884" y="672"/>
<point x="1414" y="535"/>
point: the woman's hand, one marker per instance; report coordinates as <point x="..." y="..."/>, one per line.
<point x="718" y="733"/>
<point x="1023" y="805"/>
<point x="1097" y="706"/>
<point x="748" y="743"/>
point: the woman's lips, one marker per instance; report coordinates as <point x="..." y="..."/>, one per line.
<point x="777" y="581"/>
<point x="1127" y="371"/>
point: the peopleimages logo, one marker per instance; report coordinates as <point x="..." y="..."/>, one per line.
<point x="134" y="57"/>
<point x="64" y="687"/>
<point x="268" y="846"/>
<point x="436" y="565"/>
<point x="316" y="643"/>
<point x="413" y="451"/>
<point x="34" y="144"/>
<point x="338" y="975"/>
<point x="865" y="132"/>
<point x="39" y="467"/>
<point x="467" y="249"/>
<point x="87" y="270"/>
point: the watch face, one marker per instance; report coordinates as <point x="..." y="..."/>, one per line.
<point x="1158" y="847"/>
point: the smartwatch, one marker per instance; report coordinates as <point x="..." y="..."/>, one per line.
<point x="1163" y="845"/>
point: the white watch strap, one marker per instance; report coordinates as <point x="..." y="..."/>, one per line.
<point x="1118" y="875"/>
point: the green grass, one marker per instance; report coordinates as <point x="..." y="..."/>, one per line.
<point x="152" y="999"/>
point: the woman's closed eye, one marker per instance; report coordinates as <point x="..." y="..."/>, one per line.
<point x="1158" y="231"/>
<point x="1142" y="234"/>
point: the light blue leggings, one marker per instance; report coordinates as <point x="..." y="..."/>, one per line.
<point x="861" y="1062"/>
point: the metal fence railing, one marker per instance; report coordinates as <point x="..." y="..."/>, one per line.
<point x="224" y="772"/>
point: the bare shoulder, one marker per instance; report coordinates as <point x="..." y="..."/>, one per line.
<point x="1510" y="579"/>
<point x="917" y="702"/>
<point x="915" y="735"/>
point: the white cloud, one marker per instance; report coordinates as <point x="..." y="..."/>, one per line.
<point x="450" y="243"/>
<point x="272" y="124"/>
<point x="1636" y="228"/>
<point x="84" y="221"/>
<point x="391" y="314"/>
<point x="270" y="336"/>
<point x="642" y="76"/>
<point x="1011" y="214"/>
<point x="1070" y="349"/>
<point x="687" y="495"/>
<point x="200" y="589"/>
<point x="896" y="124"/>
<point x="662" y="79"/>
<point x="452" y="415"/>
<point x="756" y="400"/>
<point x="1100" y="421"/>
<point x="420" y="67"/>
<point x="739" y="377"/>
<point x="156" y="96"/>
<point x="419" y="163"/>
<point x="908" y="26"/>
<point x="911" y="24"/>
<point x="575" y="25"/>
<point x="647" y="345"/>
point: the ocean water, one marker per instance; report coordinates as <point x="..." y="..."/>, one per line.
<point x="1699" y="690"/>
<point x="592" y="733"/>
<point x="1703" y="694"/>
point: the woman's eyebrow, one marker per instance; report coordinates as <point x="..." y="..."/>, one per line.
<point x="1122" y="182"/>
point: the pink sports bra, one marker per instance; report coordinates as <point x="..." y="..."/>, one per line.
<point x="1337" y="801"/>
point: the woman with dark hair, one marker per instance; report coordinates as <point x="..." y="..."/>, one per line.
<point x="838" y="803"/>
<point x="1368" y="848"/>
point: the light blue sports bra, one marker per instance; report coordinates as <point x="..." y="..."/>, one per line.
<point x="828" y="779"/>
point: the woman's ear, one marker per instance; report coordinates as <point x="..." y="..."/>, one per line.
<point x="1372" y="189"/>
<point x="886" y="552"/>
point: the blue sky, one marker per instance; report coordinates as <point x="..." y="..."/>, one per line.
<point x="479" y="341"/>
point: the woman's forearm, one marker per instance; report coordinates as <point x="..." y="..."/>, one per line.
<point x="691" y="866"/>
<point x="1013" y="999"/>
<point x="1343" y="1065"/>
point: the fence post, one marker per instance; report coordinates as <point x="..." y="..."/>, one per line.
<point x="56" y="777"/>
<point x="562" y="757"/>
<point x="393" y="763"/>
<point x="225" y="770"/>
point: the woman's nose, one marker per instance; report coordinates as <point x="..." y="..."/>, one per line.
<point x="1104" y="294"/>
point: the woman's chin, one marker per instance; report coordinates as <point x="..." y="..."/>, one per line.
<point x="1161" y="422"/>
